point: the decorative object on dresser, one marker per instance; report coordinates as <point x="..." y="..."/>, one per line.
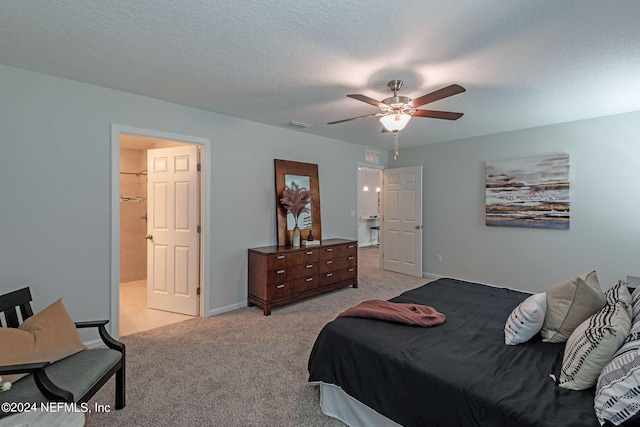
<point x="296" y="201"/>
<point x="282" y="275"/>
<point x="289" y="176"/>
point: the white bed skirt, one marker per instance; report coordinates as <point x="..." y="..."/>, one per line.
<point x="335" y="403"/>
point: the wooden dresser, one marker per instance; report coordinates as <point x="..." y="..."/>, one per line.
<point x="280" y="275"/>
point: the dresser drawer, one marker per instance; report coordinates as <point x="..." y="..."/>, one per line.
<point x="279" y="261"/>
<point x="277" y="276"/>
<point x="346" y="250"/>
<point x="327" y="278"/>
<point x="302" y="270"/>
<point x="344" y="262"/>
<point x="280" y="290"/>
<point x="306" y="256"/>
<point x="328" y="253"/>
<point x="346" y="273"/>
<point x="306" y="283"/>
<point x="326" y="265"/>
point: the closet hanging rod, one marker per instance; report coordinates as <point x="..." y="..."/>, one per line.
<point x="142" y="172"/>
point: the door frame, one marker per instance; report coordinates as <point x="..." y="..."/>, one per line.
<point x="205" y="206"/>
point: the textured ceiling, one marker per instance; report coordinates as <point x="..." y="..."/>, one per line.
<point x="523" y="63"/>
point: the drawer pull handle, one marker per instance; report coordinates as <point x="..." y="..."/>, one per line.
<point x="309" y="266"/>
<point x="280" y="286"/>
<point x="351" y="269"/>
<point x="309" y="279"/>
<point x="329" y="262"/>
<point x="329" y="274"/>
<point x="350" y="246"/>
<point x="329" y="249"/>
<point x="280" y="257"/>
<point x="350" y="258"/>
<point x="309" y="252"/>
<point x="280" y="272"/>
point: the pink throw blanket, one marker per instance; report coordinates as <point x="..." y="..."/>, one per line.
<point x="410" y="314"/>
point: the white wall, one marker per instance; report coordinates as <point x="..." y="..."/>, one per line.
<point x="604" y="234"/>
<point x="55" y="174"/>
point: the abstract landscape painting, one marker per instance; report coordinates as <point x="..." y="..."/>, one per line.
<point x="531" y="193"/>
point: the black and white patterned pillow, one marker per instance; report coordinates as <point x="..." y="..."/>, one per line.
<point x="635" y="301"/>
<point x="617" y="397"/>
<point x="595" y="341"/>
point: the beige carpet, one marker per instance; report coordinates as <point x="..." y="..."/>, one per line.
<point x="236" y="369"/>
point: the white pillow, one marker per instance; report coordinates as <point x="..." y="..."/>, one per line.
<point x="595" y="341"/>
<point x="525" y="320"/>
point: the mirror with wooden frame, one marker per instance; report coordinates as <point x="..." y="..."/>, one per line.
<point x="303" y="175"/>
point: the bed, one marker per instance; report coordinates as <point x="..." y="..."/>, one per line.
<point x="459" y="373"/>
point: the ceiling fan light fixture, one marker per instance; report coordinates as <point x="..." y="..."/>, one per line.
<point x="395" y="122"/>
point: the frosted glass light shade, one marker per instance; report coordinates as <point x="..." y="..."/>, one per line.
<point x="395" y="122"/>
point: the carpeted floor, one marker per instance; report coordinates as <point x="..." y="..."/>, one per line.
<point x="236" y="369"/>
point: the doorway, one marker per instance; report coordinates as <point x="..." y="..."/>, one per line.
<point x="368" y="215"/>
<point x="136" y="311"/>
<point x="134" y="252"/>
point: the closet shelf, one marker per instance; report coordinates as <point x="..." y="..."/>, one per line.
<point x="142" y="172"/>
<point x="133" y="199"/>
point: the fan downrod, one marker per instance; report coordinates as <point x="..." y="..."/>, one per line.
<point x="395" y="86"/>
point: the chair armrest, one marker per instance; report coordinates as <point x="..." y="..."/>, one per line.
<point x="25" y="368"/>
<point x="46" y="387"/>
<point x="106" y="338"/>
<point x="91" y="324"/>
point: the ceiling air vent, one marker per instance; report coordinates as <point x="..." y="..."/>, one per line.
<point x="298" y="125"/>
<point x="371" y="156"/>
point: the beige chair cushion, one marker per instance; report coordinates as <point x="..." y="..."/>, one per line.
<point x="47" y="336"/>
<point x="568" y="304"/>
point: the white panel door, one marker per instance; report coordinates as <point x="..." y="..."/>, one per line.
<point x="402" y="220"/>
<point x="172" y="229"/>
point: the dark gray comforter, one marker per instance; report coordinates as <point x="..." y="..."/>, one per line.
<point x="460" y="373"/>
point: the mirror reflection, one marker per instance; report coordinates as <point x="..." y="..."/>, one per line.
<point x="304" y="218"/>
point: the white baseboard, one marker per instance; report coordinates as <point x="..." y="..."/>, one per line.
<point x="226" y="309"/>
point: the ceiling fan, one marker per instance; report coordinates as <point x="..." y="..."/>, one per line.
<point x="396" y="111"/>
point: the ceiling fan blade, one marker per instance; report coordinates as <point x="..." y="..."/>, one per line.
<point x="445" y="92"/>
<point x="366" y="99"/>
<point x="447" y="115"/>
<point x="353" y="118"/>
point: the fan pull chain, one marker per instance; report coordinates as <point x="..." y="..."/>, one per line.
<point x="395" y="145"/>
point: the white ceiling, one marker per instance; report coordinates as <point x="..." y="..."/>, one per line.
<point x="523" y="63"/>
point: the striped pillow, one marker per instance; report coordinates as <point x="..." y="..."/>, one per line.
<point x="525" y="320"/>
<point x="618" y="389"/>
<point x="635" y="301"/>
<point x="595" y="341"/>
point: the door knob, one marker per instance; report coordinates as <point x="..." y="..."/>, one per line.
<point x="148" y="237"/>
<point x="418" y="227"/>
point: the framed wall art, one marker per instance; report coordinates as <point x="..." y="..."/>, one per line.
<point x="532" y="193"/>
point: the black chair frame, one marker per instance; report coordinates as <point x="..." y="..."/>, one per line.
<point x="19" y="302"/>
